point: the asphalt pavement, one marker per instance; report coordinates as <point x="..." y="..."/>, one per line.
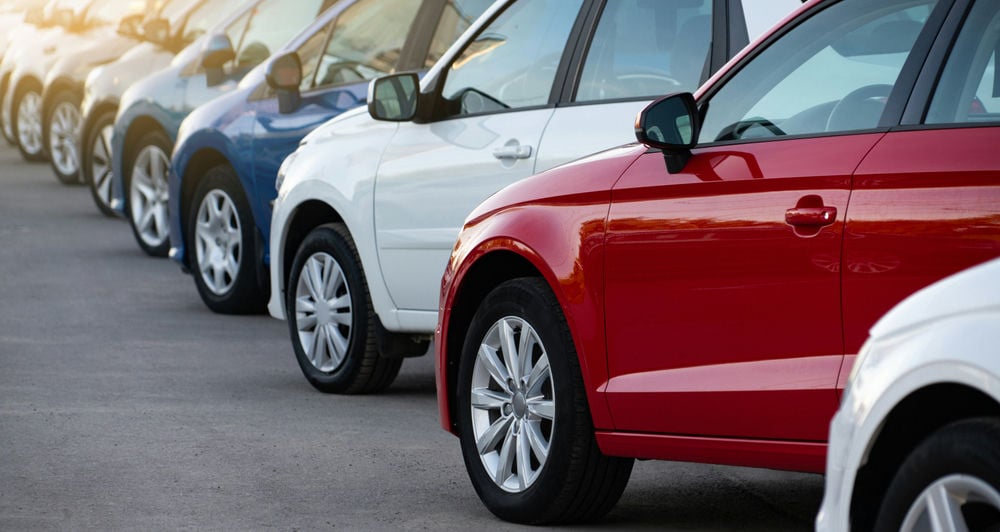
<point x="125" y="404"/>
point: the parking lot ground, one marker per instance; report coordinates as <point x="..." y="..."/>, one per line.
<point x="126" y="404"/>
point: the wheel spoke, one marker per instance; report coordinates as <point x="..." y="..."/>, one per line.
<point x="491" y="436"/>
<point x="486" y="399"/>
<point x="341" y="303"/>
<point x="317" y="346"/>
<point x="537" y="440"/>
<point x="506" y="464"/>
<point x="306" y="322"/>
<point x="944" y="511"/>
<point x="232" y="268"/>
<point x="523" y="458"/>
<point x="542" y="408"/>
<point x="218" y="277"/>
<point x="493" y="365"/>
<point x="510" y="354"/>
<point x="538" y="376"/>
<point x="304" y="304"/>
<point x="339" y="341"/>
<point x="525" y="349"/>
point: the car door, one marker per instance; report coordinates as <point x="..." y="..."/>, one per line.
<point x="493" y="103"/>
<point x="926" y="200"/>
<point x="723" y="280"/>
<point x="633" y="51"/>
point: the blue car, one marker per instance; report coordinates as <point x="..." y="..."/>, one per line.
<point x="229" y="150"/>
<point x="151" y="110"/>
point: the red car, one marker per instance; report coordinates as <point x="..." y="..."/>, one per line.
<point x="702" y="296"/>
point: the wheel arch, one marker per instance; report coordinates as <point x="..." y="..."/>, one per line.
<point x="909" y="422"/>
<point x="140" y="126"/>
<point x="193" y="172"/>
<point x="307" y="216"/>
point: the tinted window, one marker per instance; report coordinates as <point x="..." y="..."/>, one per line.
<point x="367" y="40"/>
<point x="833" y="72"/>
<point x="512" y="62"/>
<point x="204" y="18"/>
<point x="969" y="90"/>
<point x="761" y="15"/>
<point x="273" y="23"/>
<point x="458" y="15"/>
<point x="644" y="49"/>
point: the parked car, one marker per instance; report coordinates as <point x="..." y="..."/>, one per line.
<point x="151" y="110"/>
<point x="27" y="62"/>
<point x="701" y="296"/>
<point x="15" y="14"/>
<point x="916" y="438"/>
<point x="228" y="151"/>
<point x="375" y="199"/>
<point x="62" y="88"/>
<point x="103" y="88"/>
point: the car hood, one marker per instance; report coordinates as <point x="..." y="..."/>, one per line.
<point x="972" y="290"/>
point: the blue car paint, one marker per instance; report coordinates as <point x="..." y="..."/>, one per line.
<point x="165" y="98"/>
<point x="254" y="138"/>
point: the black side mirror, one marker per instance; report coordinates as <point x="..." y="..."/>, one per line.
<point x="670" y="124"/>
<point x="217" y="52"/>
<point x="157" y="31"/>
<point x="35" y="16"/>
<point x="284" y="75"/>
<point x="394" y="97"/>
<point x="130" y="25"/>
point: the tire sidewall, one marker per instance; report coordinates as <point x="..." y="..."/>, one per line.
<point x="531" y="505"/>
<point x="244" y="295"/>
<point x="332" y="239"/>
<point x="151" y="138"/>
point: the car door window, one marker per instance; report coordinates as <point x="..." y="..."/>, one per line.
<point x="761" y="15"/>
<point x="512" y="63"/>
<point x="272" y="23"/>
<point x="366" y="41"/>
<point x="457" y="16"/>
<point x="642" y="49"/>
<point x="309" y="55"/>
<point x="832" y="73"/>
<point x="203" y="19"/>
<point x="969" y="89"/>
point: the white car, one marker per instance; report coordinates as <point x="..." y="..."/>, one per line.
<point x="916" y="442"/>
<point x="370" y="208"/>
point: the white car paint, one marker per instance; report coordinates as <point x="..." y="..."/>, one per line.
<point x="945" y="333"/>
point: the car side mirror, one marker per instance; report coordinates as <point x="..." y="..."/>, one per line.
<point x="35" y="16"/>
<point x="394" y="98"/>
<point x="218" y="51"/>
<point x="670" y="124"/>
<point x="130" y="25"/>
<point x="284" y="75"/>
<point x="157" y="31"/>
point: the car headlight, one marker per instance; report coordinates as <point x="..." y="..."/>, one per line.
<point x="283" y="169"/>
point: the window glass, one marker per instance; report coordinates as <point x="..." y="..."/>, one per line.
<point x="204" y="18"/>
<point x="272" y="24"/>
<point x="511" y="63"/>
<point x="457" y="16"/>
<point x="366" y="42"/>
<point x="309" y="54"/>
<point x="761" y="15"/>
<point x="969" y="90"/>
<point x="111" y="11"/>
<point x="644" y="49"/>
<point x="833" y="72"/>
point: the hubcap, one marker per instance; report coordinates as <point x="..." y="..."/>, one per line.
<point x="218" y="241"/>
<point x="29" y="122"/>
<point x="955" y="502"/>
<point x="323" y="314"/>
<point x="100" y="165"/>
<point x="148" y="196"/>
<point x="63" y="132"/>
<point x="513" y="404"/>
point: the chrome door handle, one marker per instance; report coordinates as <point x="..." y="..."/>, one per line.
<point x="515" y="151"/>
<point x="811" y="216"/>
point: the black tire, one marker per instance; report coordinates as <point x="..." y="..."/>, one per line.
<point x="95" y="162"/>
<point x="362" y="369"/>
<point x="63" y="150"/>
<point x="228" y="294"/>
<point x="576" y="482"/>
<point x="30" y="87"/>
<point x="151" y="139"/>
<point x="970" y="447"/>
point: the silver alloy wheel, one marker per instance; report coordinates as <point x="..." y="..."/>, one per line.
<point x="513" y="404"/>
<point x="939" y="506"/>
<point x="100" y="165"/>
<point x="148" y="196"/>
<point x="323" y="313"/>
<point x="63" y="134"/>
<point x="218" y="241"/>
<point x="29" y="122"/>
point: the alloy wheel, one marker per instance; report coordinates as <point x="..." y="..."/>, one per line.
<point x="148" y="195"/>
<point x="948" y="503"/>
<point x="218" y="242"/>
<point x="29" y="122"/>
<point x="513" y="404"/>
<point x="100" y="166"/>
<point x="323" y="313"/>
<point x="64" y="130"/>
